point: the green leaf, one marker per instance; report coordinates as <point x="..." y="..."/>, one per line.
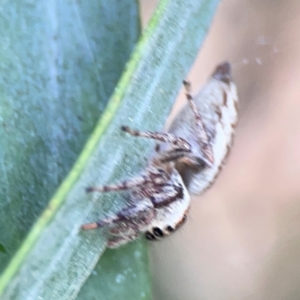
<point x="59" y="65"/>
<point x="120" y="274"/>
<point x="56" y="258"/>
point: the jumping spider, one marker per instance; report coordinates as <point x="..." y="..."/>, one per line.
<point x="188" y="159"/>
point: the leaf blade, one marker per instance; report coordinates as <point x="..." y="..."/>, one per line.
<point x="147" y="78"/>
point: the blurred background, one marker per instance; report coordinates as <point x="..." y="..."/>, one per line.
<point x="242" y="240"/>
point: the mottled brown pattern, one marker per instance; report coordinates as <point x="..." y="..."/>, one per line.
<point x="224" y="98"/>
<point x="219" y="113"/>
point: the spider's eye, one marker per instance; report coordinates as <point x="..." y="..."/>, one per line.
<point x="158" y="232"/>
<point x="170" y="228"/>
<point x="150" y="236"/>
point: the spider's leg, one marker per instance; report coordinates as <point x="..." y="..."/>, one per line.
<point x="140" y="213"/>
<point x="121" y="229"/>
<point x="115" y="242"/>
<point x="99" y="224"/>
<point x="200" y="126"/>
<point x="123" y="185"/>
<point x="178" y="142"/>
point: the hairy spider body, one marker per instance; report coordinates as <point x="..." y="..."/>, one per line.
<point x="157" y="205"/>
<point x="188" y="159"/>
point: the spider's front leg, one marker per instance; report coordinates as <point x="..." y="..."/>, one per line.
<point x="133" y="217"/>
<point x="128" y="184"/>
<point x="154" y="174"/>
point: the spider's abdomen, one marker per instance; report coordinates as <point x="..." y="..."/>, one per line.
<point x="217" y="105"/>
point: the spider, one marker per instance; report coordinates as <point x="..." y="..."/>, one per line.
<point x="188" y="159"/>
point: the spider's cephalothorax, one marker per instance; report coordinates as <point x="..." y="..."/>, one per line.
<point x="188" y="159"/>
<point x="157" y="205"/>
